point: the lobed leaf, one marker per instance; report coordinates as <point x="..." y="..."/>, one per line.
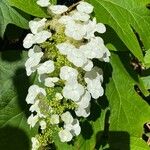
<point x="127" y="18"/>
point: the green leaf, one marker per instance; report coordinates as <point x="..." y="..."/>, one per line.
<point x="125" y="17"/>
<point x="129" y="112"/>
<point x="8" y="15"/>
<point x="15" y="133"/>
<point x="147" y="58"/>
<point x="146" y="82"/>
<point x="138" y="144"/>
<point x="30" y="7"/>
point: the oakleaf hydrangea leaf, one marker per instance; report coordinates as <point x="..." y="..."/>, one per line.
<point x="129" y="112"/>
<point x="13" y="109"/>
<point x="126" y="17"/>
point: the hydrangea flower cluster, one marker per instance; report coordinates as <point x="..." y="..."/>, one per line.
<point x="61" y="52"/>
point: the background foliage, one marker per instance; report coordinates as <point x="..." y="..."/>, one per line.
<point x="119" y="116"/>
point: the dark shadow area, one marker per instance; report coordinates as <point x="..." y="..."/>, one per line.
<point x="111" y="37"/>
<point x="22" y="83"/>
<point x="12" y="138"/>
<point x="11" y="56"/>
<point x="119" y="140"/>
<point x="112" y="140"/>
<point x="13" y="38"/>
<point x="87" y="130"/>
<point x="95" y="111"/>
<point x="67" y="2"/>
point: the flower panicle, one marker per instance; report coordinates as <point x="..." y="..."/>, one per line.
<point x="61" y="52"/>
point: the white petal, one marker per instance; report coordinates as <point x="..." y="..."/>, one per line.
<point x="85" y="7"/>
<point x="75" y="31"/>
<point x="95" y="88"/>
<point x="35" y="49"/>
<point x="33" y="91"/>
<point x="65" y="135"/>
<point x="58" y="96"/>
<point x="54" y="119"/>
<point x="81" y="112"/>
<point x="58" y="9"/>
<point x="46" y="67"/>
<point x="67" y="117"/>
<point x="67" y="73"/>
<point x="95" y="74"/>
<point x="37" y="25"/>
<point x="66" y="20"/>
<point x="35" y="107"/>
<point x="43" y="3"/>
<point x="65" y="48"/>
<point x="32" y="63"/>
<point x="42" y="124"/>
<point x="88" y="66"/>
<point x="49" y="82"/>
<point x="74" y="127"/>
<point x="84" y="100"/>
<point x="28" y="41"/>
<point x="100" y="28"/>
<point x="42" y="36"/>
<point x="32" y="120"/>
<point x="73" y="91"/>
<point x="77" y="58"/>
<point x="80" y="16"/>
<point x="35" y="143"/>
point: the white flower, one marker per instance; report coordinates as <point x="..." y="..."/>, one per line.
<point x="75" y="31"/>
<point x="95" y="74"/>
<point x="32" y="120"/>
<point x="46" y="67"/>
<point x="83" y="112"/>
<point x="85" y="7"/>
<point x="49" y="82"/>
<point x="73" y="91"/>
<point x="84" y="100"/>
<point x="43" y="3"/>
<point x="32" y="63"/>
<point x="42" y="124"/>
<point x="74" y="127"/>
<point x="93" y="27"/>
<point x="77" y="57"/>
<point x="58" y="96"/>
<point x="34" y="50"/>
<point x="93" y="49"/>
<point x="58" y="9"/>
<point x="65" y="135"/>
<point x="28" y="41"/>
<point x="95" y="88"/>
<point x="67" y="117"/>
<point x="65" y="48"/>
<point x="80" y="16"/>
<point x="88" y="66"/>
<point x="94" y="78"/>
<point x="67" y="73"/>
<point x="35" y="143"/>
<point x="54" y="119"/>
<point x="33" y="91"/>
<point x="42" y="36"/>
<point x="65" y="20"/>
<point x="37" y="25"/>
<point x="35" y="106"/>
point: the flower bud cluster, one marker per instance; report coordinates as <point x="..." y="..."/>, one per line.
<point x="62" y="53"/>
